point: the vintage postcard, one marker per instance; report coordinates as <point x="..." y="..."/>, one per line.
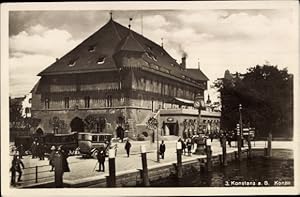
<point x="184" y="98"/>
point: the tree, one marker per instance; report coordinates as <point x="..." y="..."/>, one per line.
<point x="90" y="122"/>
<point x="57" y="124"/>
<point x="266" y="94"/>
<point x="15" y="112"/>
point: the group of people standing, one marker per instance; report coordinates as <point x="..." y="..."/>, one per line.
<point x="186" y="145"/>
<point x="38" y="150"/>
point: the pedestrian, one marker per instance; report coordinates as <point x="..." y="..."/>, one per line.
<point x="51" y="158"/>
<point x="211" y="136"/>
<point x="162" y="149"/>
<point x="43" y="150"/>
<point x="16" y="167"/>
<point x="115" y="147"/>
<point x="33" y="149"/>
<point x="21" y="151"/>
<point x="120" y="132"/>
<point x="101" y="158"/>
<point x="229" y="138"/>
<point x="65" y="164"/>
<point x="189" y="146"/>
<point x="183" y="145"/>
<point x="127" y="147"/>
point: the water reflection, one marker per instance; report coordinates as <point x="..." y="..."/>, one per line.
<point x="255" y="171"/>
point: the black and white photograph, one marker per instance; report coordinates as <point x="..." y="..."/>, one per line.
<point x="177" y="98"/>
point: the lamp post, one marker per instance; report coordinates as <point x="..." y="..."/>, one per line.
<point x="239" y="132"/>
<point x="157" y="141"/>
<point x="241" y="121"/>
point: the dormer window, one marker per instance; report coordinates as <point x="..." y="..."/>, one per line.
<point x="101" y="60"/>
<point x="72" y="63"/>
<point x="154" y="58"/>
<point x="151" y="56"/>
<point x="92" y="48"/>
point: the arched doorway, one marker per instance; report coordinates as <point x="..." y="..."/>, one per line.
<point x="77" y="125"/>
<point x="39" y="131"/>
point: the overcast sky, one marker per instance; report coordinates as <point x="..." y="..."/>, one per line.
<point x="218" y="39"/>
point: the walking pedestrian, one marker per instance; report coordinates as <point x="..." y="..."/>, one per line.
<point x="189" y="146"/>
<point x="16" y="167"/>
<point x="101" y="159"/>
<point x="51" y="158"/>
<point x="162" y="149"/>
<point x="127" y="147"/>
<point x="33" y="149"/>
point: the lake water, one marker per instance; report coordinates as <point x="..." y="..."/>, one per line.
<point x="259" y="171"/>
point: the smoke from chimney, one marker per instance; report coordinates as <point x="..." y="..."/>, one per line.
<point x="183" y="61"/>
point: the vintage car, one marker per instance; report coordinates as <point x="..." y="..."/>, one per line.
<point x="89" y="143"/>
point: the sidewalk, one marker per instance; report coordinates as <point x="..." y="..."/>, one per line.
<point x="82" y="168"/>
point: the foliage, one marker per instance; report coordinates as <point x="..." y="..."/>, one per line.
<point x="266" y="95"/>
<point x="15" y="111"/>
<point x="32" y="122"/>
<point x="152" y="123"/>
<point x="94" y="122"/>
<point x="17" y="120"/>
<point x="57" y="124"/>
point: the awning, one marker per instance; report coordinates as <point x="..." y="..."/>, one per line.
<point x="183" y="101"/>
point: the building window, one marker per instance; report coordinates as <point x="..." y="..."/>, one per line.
<point x="101" y="60"/>
<point x="67" y="105"/>
<point x="108" y="101"/>
<point x="27" y="111"/>
<point x="30" y="100"/>
<point x="72" y="62"/>
<point x="87" y="102"/>
<point x="47" y="103"/>
<point x="92" y="48"/>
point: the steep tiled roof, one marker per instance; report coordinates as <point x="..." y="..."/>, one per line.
<point x="197" y="74"/>
<point x="97" y="51"/>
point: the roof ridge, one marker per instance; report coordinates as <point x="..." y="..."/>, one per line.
<point x="114" y="27"/>
<point x="137" y="41"/>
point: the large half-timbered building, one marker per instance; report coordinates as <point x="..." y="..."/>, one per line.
<point x="116" y="76"/>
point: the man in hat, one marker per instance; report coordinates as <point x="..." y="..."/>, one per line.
<point x="16" y="167"/>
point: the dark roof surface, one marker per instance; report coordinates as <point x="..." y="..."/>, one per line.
<point x="197" y="74"/>
<point x="97" y="51"/>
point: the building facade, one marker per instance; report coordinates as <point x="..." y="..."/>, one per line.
<point x="115" y="77"/>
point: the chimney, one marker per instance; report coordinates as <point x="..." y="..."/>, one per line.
<point x="183" y="62"/>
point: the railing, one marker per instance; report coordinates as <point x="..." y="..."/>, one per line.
<point x="36" y="173"/>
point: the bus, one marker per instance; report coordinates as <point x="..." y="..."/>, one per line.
<point x="69" y="141"/>
<point x="90" y="142"/>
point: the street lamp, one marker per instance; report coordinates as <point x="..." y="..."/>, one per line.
<point x="241" y="121"/>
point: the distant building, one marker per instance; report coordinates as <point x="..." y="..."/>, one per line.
<point x="26" y="106"/>
<point x="117" y="76"/>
